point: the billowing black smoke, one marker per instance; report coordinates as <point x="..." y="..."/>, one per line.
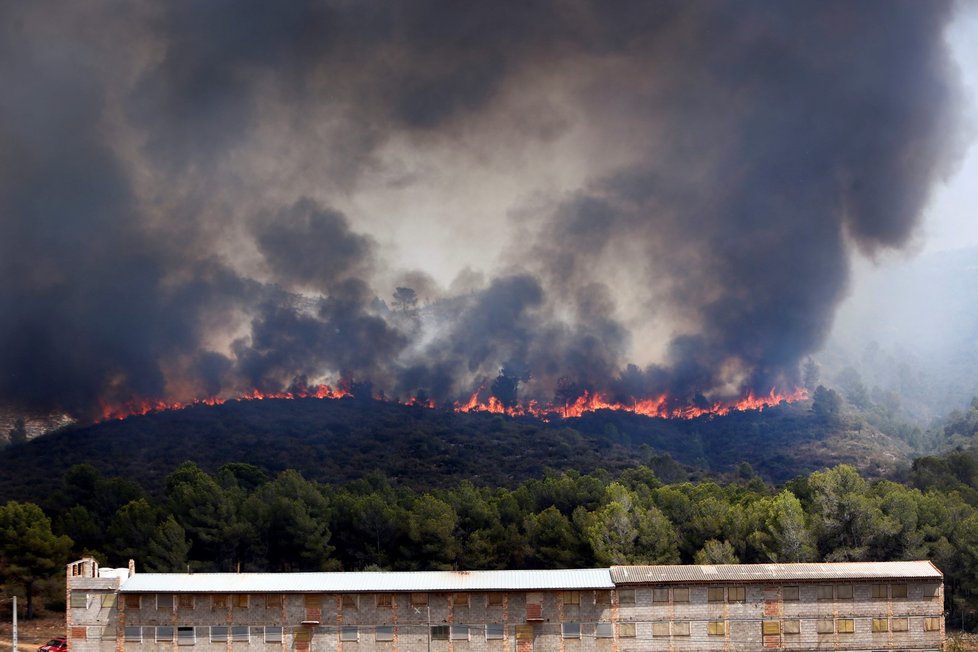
<point x="185" y="192"/>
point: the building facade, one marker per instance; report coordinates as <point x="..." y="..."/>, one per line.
<point x="847" y="606"/>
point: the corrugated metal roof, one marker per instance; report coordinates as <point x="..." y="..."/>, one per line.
<point x="777" y="572"/>
<point x="422" y="581"/>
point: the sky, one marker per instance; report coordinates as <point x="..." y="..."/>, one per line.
<point x="916" y="304"/>
<point x="951" y="219"/>
<point x="626" y="199"/>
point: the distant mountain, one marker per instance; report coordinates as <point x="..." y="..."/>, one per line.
<point x="341" y="440"/>
<point x="908" y="336"/>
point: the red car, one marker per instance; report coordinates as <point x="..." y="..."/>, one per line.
<point x="59" y="644"/>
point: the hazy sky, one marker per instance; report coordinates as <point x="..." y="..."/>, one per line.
<point x="952" y="217"/>
<point x="634" y="198"/>
<point x="894" y="299"/>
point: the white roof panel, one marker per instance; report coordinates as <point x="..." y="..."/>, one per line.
<point x="501" y="580"/>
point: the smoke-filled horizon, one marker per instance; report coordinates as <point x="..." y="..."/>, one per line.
<point x="539" y="198"/>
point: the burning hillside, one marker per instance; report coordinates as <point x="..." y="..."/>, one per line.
<point x="641" y="206"/>
<point x="480" y="401"/>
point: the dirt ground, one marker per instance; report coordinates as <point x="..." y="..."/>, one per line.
<point x="961" y="642"/>
<point x="31" y="634"/>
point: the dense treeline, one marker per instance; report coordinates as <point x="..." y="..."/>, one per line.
<point x="240" y="516"/>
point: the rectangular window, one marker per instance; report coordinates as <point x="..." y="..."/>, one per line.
<point x="494" y="631"/>
<point x="239" y="633"/>
<point x="459" y="632"/>
<point x="494" y="599"/>
<point x="680" y="628"/>
<point x="792" y="626"/>
<point x="823" y="592"/>
<point x="419" y="599"/>
<point x="824" y="626"/>
<point x="274" y="600"/>
<point x="132" y="601"/>
<point x="660" y="595"/>
<point x="932" y="624"/>
<point x="384" y="633"/>
<point x="79" y="600"/>
<point x="349" y="633"/>
<point x="164" y="633"/>
<point x="241" y="600"/>
<point x="602" y="597"/>
<point x="384" y="600"/>
<point x="460" y="600"/>
<point x="716" y="628"/>
<point x="108" y="601"/>
<point x="714" y="594"/>
<point x="880" y="625"/>
<point x="219" y="633"/>
<point x="273" y="634"/>
<point x="790" y="594"/>
<point x="439" y="632"/>
<point x="604" y="630"/>
<point x="660" y="629"/>
<point x="931" y="590"/>
<point x="134" y="634"/>
<point x="219" y="601"/>
<point x="570" y="630"/>
<point x="524" y="632"/>
<point x="845" y="625"/>
<point x="843" y="592"/>
<point x="900" y="624"/>
<point x="771" y="627"/>
<point x="164" y="602"/>
<point x="185" y="601"/>
<point x="680" y="594"/>
<point x="898" y="591"/>
<point x="878" y="592"/>
<point x="349" y="601"/>
<point x="534" y="606"/>
<point x="736" y="594"/>
<point x="626" y="596"/>
<point x="626" y="630"/>
<point x="571" y="597"/>
<point x="186" y="636"/>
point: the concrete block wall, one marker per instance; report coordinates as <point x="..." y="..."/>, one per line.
<point x="316" y="622"/>
<point x="744" y="620"/>
<point x="629" y="619"/>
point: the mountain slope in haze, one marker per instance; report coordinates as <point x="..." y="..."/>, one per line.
<point x="340" y="440"/>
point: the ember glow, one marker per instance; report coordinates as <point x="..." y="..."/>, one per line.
<point x="660" y="407"/>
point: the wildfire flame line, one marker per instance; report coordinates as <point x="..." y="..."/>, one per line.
<point x="586" y="403"/>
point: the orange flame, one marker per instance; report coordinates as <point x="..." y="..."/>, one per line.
<point x="658" y="406"/>
<point x="650" y="407"/>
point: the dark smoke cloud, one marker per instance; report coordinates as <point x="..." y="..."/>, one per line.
<point x="312" y="247"/>
<point x="182" y="190"/>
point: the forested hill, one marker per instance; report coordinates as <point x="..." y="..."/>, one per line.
<point x="335" y="441"/>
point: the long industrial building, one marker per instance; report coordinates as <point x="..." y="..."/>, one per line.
<point x="866" y="606"/>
